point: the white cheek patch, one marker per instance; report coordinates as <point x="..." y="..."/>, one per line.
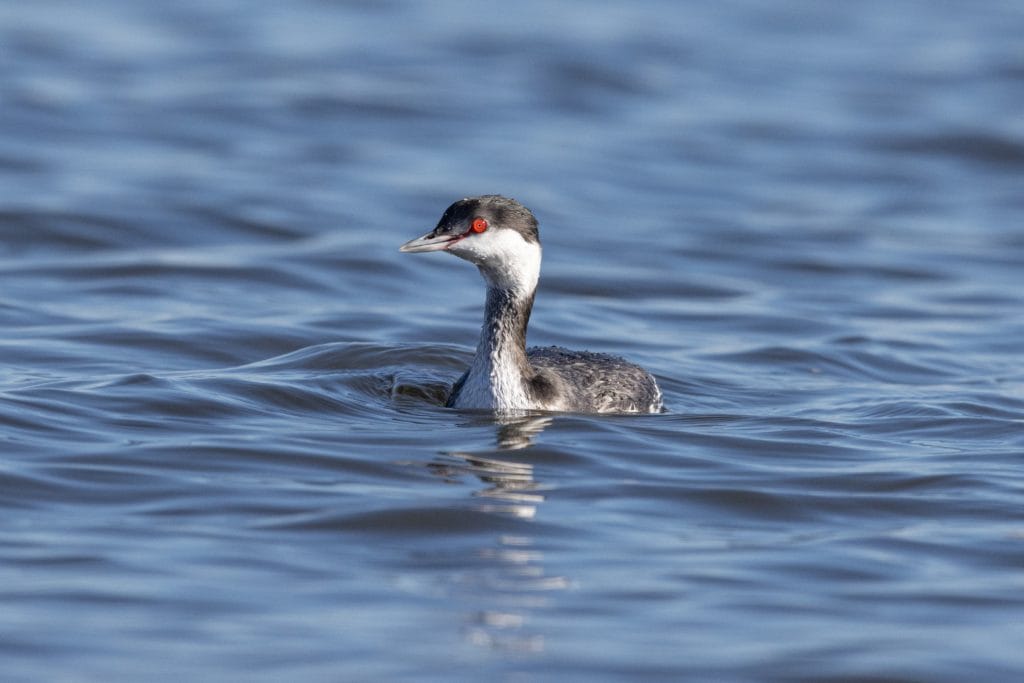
<point x="506" y="260"/>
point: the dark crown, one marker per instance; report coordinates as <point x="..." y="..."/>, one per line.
<point x="501" y="212"/>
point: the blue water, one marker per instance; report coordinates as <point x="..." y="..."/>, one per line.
<point x="224" y="455"/>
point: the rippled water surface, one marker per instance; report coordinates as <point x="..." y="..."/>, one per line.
<point x="224" y="455"/>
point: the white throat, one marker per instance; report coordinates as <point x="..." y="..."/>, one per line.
<point x="506" y="260"/>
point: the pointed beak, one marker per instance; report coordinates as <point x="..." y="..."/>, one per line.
<point x="429" y="242"/>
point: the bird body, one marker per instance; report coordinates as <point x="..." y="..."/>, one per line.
<point x="501" y="237"/>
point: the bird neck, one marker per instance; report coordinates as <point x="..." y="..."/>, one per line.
<point x="506" y="317"/>
<point x="500" y="363"/>
<point x="500" y="375"/>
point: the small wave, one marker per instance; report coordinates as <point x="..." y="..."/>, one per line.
<point x="410" y="521"/>
<point x="853" y="363"/>
<point x="45" y="231"/>
<point x="981" y="147"/>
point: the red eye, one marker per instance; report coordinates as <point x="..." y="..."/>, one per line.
<point x="479" y="225"/>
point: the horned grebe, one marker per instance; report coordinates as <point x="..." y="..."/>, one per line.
<point x="499" y="235"/>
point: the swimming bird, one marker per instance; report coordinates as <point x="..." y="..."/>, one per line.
<point x="500" y="237"/>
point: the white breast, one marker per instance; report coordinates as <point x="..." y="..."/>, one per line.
<point x="494" y="383"/>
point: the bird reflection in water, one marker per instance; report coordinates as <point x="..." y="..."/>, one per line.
<point x="512" y="573"/>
